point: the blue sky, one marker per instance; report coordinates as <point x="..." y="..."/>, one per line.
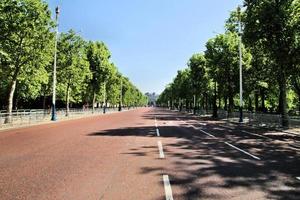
<point x="149" y="39"/>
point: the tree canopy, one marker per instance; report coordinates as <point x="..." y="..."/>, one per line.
<point x="85" y="73"/>
<point x="270" y="61"/>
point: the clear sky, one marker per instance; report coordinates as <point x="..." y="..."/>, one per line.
<point x="149" y="39"/>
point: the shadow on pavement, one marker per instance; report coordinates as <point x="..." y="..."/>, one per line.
<point x="206" y="168"/>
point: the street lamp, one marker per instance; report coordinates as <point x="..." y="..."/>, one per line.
<point x="121" y="95"/>
<point x="104" y="98"/>
<point x="240" y="64"/>
<point x="53" y="117"/>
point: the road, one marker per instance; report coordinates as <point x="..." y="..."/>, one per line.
<point x="148" y="153"/>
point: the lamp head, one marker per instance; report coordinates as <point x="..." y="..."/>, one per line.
<point x="57" y="10"/>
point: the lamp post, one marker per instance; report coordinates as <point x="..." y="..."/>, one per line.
<point x="121" y="91"/>
<point x="53" y="117"/>
<point x="240" y="64"/>
<point x="104" y="98"/>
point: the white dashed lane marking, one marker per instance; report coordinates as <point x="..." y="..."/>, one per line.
<point x="168" y="189"/>
<point x="157" y="132"/>
<point x="161" y="151"/>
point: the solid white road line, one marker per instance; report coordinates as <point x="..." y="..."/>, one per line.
<point x="226" y="127"/>
<point x="161" y="151"/>
<point x="157" y="132"/>
<point x="298" y="178"/>
<point x="262" y="136"/>
<point x="210" y="135"/>
<point x="207" y="133"/>
<point x="168" y="189"/>
<point x="245" y="152"/>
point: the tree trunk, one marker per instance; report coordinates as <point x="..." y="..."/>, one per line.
<point x="68" y="101"/>
<point x="225" y="103"/>
<point x="94" y="100"/>
<point x="231" y="102"/>
<point x="12" y="89"/>
<point x="215" y="107"/>
<point x="206" y="102"/>
<point x="186" y="105"/>
<point x="230" y="106"/>
<point x="195" y="104"/>
<point x="299" y="103"/>
<point x="250" y="108"/>
<point x="283" y="100"/>
<point x="262" y="93"/>
<point x="44" y="101"/>
<point x="256" y="101"/>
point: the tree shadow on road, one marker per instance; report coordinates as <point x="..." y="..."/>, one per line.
<point x="206" y="168"/>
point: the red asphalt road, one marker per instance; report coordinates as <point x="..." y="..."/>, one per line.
<point x="116" y="156"/>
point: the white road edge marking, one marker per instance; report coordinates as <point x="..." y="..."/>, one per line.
<point x="161" y="151"/>
<point x="226" y="127"/>
<point x="168" y="189"/>
<point x="157" y="132"/>
<point x="210" y="135"/>
<point x="298" y="178"/>
<point x="245" y="152"/>
<point x="262" y="136"/>
<point x="207" y="133"/>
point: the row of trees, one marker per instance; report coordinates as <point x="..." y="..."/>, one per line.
<point x="271" y="64"/>
<point x="85" y="74"/>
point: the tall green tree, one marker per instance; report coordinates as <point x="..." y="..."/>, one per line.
<point x="25" y="38"/>
<point x="98" y="57"/>
<point x="73" y="68"/>
<point x="274" y="24"/>
<point x="197" y="65"/>
<point x="223" y="62"/>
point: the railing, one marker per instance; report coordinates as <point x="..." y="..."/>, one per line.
<point x="261" y="119"/>
<point x="24" y="116"/>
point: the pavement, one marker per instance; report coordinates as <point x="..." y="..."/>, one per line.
<point x="148" y="153"/>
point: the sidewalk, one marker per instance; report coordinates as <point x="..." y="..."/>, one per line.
<point x="47" y="120"/>
<point x="291" y="130"/>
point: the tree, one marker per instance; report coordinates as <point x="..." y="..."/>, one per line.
<point x="197" y="65"/>
<point x="223" y="63"/>
<point x="73" y="68"/>
<point x="274" y="24"/>
<point x="98" y="57"/>
<point x="25" y="38"/>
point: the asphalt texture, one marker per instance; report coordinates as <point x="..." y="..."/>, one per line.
<point x="148" y="153"/>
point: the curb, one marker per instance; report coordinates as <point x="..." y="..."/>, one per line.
<point x="44" y="122"/>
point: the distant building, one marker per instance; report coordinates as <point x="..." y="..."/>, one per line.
<point x="152" y="97"/>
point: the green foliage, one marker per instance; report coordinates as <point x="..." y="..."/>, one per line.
<point x="84" y="70"/>
<point x="271" y="63"/>
<point x="197" y="65"/>
<point x="25" y="45"/>
<point x="72" y="67"/>
<point x="274" y="27"/>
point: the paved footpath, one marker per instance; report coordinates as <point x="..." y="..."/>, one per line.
<point x="147" y="153"/>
